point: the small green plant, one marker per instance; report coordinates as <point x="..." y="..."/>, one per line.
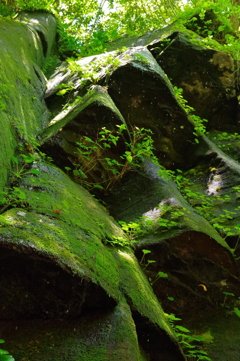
<point x="228" y="142"/>
<point x="90" y="153"/>
<point x="132" y="229"/>
<point x="226" y="297"/>
<point x="119" y="242"/>
<point x="145" y="263"/>
<point x="141" y="58"/>
<point x="159" y="275"/>
<point x="21" y="165"/>
<point x="64" y="88"/>
<point x="4" y="355"/>
<point x="50" y="65"/>
<point x="233" y="306"/>
<point x="198" y="122"/>
<point x="149" y="261"/>
<point x="144" y="251"/>
<point x="191" y="344"/>
<point x="93" y="71"/>
<point x="14" y="195"/>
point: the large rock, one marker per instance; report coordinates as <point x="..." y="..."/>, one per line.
<point x="207" y="77"/>
<point x="66" y="266"/>
<point x="23" y="111"/>
<point x="68" y="271"/>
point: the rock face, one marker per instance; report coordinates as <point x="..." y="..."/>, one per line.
<point x="69" y="273"/>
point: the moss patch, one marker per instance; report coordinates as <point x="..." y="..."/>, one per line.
<point x="23" y="111"/>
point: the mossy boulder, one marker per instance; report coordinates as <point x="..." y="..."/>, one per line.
<point x="73" y="283"/>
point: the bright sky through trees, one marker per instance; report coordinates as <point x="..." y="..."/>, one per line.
<point x="88" y="25"/>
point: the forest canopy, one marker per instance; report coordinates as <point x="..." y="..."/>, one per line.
<point x="87" y="26"/>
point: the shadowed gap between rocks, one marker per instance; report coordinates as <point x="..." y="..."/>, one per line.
<point x="34" y="286"/>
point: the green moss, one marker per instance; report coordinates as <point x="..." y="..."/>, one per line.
<point x="7" y="145"/>
<point x="73" y="237"/>
<point x="46" y="25"/>
<point x="97" y="336"/>
<point x="23" y="114"/>
<point x="137" y="288"/>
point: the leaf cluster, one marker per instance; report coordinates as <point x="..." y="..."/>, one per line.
<point x="91" y="152"/>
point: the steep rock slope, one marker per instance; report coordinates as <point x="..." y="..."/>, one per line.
<point x="64" y="260"/>
<point x="58" y="268"/>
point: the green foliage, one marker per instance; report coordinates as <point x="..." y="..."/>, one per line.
<point x="22" y="165"/>
<point x="226" y="296"/>
<point x="64" y="88"/>
<point x="237" y="311"/>
<point x="93" y="70"/>
<point x="14" y="196"/>
<point x="160" y="274"/>
<point x="144" y="251"/>
<point x="231" y="303"/>
<point x="86" y="27"/>
<point x="132" y="229"/>
<point x="191" y="344"/>
<point x="90" y="153"/>
<point x="119" y="242"/>
<point x="4" y="355"/>
<point x="228" y="143"/>
<point x="198" y="122"/>
<point x="50" y="65"/>
<point x="5" y="10"/>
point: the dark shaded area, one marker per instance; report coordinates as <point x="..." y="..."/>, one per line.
<point x="208" y="24"/>
<point x="206" y="76"/>
<point x="198" y="272"/>
<point x="145" y="100"/>
<point x="34" y="286"/>
<point x="154" y="341"/>
<point x="43" y="41"/>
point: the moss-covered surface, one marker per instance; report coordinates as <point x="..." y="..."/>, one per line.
<point x="106" y="336"/>
<point x="46" y="26"/>
<point x="59" y="255"/>
<point x="6" y="148"/>
<point x="63" y="225"/>
<point x="64" y="222"/>
<point x="23" y="112"/>
<point x="220" y="332"/>
<point x="130" y="274"/>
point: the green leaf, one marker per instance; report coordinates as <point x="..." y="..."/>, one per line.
<point x="237" y="311"/>
<point x="62" y="92"/>
<point x="162" y="274"/>
<point x="98" y="186"/>
<point x="228" y="294"/>
<point x="28" y="158"/>
<point x="35" y="171"/>
<point x="6" y="358"/>
<point x="15" y="160"/>
<point x="181" y="328"/>
<point x="145" y="251"/>
<point x="129" y="157"/>
<point x="221" y="28"/>
<point x="3" y="352"/>
<point x="150" y="261"/>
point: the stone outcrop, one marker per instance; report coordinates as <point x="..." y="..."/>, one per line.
<point x="69" y="273"/>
